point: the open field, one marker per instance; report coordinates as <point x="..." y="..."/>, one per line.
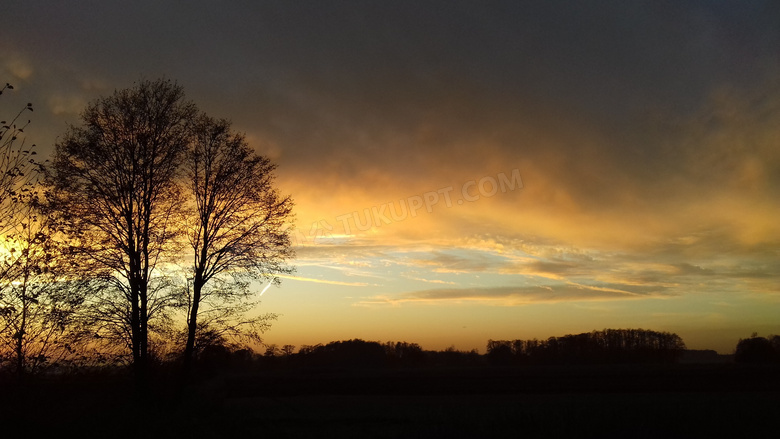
<point x="616" y="401"/>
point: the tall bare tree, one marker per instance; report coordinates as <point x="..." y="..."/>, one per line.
<point x="238" y="230"/>
<point x="113" y="178"/>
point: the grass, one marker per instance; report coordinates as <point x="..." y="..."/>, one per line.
<point x="572" y="402"/>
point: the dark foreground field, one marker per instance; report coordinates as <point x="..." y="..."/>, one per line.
<point x="678" y="401"/>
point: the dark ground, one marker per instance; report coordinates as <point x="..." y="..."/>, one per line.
<point x="639" y="401"/>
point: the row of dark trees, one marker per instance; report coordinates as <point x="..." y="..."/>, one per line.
<point x="345" y="354"/>
<point x="140" y="239"/>
<point x="606" y="346"/>
<point x="597" y="347"/>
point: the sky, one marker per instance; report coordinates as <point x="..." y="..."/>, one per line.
<point x="463" y="170"/>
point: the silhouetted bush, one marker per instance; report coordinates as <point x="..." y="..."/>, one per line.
<point x="350" y="353"/>
<point x="453" y="357"/>
<point x="757" y="350"/>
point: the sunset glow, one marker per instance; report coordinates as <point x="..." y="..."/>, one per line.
<point x="462" y="172"/>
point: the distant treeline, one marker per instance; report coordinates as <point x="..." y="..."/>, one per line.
<point x="606" y="346"/>
<point x="370" y="354"/>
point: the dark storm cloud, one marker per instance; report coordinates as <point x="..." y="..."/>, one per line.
<point x="605" y="108"/>
<point x="352" y="82"/>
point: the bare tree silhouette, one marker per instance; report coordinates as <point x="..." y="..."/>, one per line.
<point x="17" y="167"/>
<point x="237" y="230"/>
<point x="114" y="182"/>
<point x="41" y="302"/>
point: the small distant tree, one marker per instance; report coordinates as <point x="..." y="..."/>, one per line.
<point x="237" y="231"/>
<point x="288" y="350"/>
<point x="272" y="350"/>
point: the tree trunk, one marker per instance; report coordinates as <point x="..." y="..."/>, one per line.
<point x="144" y="331"/>
<point x="137" y="333"/>
<point x="20" y="360"/>
<point x="197" y="288"/>
<point x="192" y="323"/>
<point x="20" y="351"/>
<point x="135" y="324"/>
